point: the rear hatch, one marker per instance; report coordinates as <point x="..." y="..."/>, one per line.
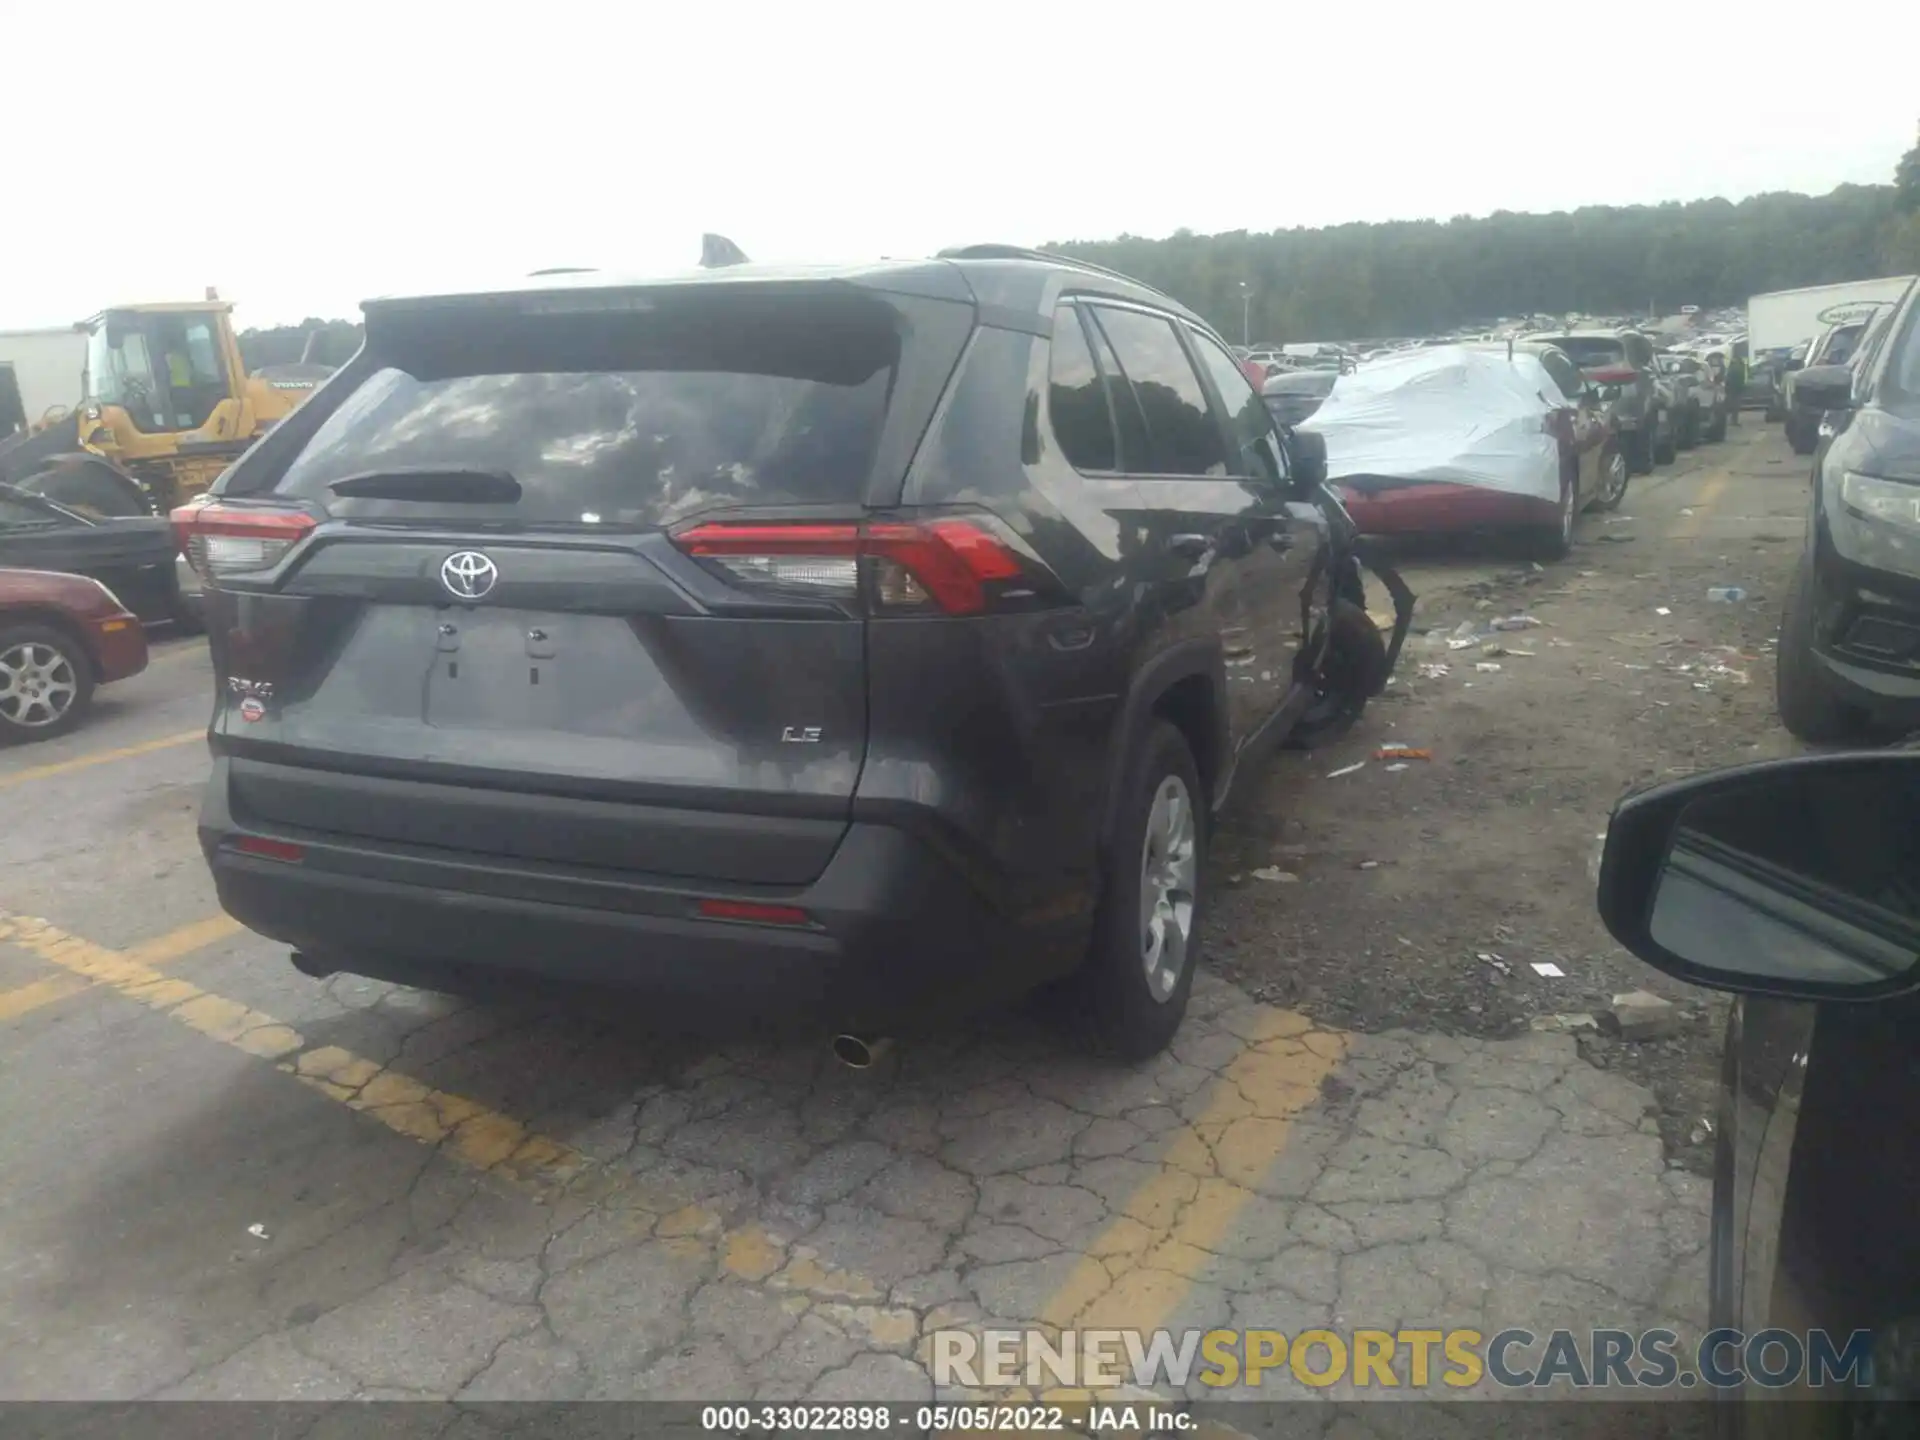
<point x="465" y="614"/>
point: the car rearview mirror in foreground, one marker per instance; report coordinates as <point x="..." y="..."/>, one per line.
<point x="1307" y="451"/>
<point x="1825" y="387"/>
<point x="1797" y="878"/>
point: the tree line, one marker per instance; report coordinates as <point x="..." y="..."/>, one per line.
<point x="1415" y="277"/>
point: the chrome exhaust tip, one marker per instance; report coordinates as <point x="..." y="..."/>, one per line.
<point x="307" y="965"/>
<point x="860" y="1052"/>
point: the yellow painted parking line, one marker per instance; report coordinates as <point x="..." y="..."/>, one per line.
<point x="1139" y="1270"/>
<point x="1134" y="1274"/>
<point x="100" y="757"/>
<point x="1710" y="491"/>
<point x="465" y="1130"/>
<point x="24" y="999"/>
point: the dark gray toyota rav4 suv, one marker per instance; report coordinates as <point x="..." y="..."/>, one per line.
<point x="858" y="644"/>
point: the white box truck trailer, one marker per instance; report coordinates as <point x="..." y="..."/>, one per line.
<point x="39" y="370"/>
<point x="1782" y="319"/>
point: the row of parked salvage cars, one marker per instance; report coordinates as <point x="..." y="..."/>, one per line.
<point x="1513" y="439"/>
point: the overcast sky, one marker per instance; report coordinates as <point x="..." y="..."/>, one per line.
<point x="303" y="157"/>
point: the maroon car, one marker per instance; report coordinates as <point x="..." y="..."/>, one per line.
<point x="1593" y="472"/>
<point x="60" y="636"/>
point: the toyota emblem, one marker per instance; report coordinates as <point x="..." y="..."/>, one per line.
<point x="468" y="575"/>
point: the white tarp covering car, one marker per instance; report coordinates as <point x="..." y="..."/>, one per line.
<point x="1446" y="415"/>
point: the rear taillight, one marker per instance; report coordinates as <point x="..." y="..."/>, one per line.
<point x="1613" y="375"/>
<point x="751" y="912"/>
<point x="266" y="849"/>
<point x="229" y="540"/>
<point x="951" y="565"/>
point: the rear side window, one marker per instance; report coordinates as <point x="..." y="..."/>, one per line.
<point x="1564" y="373"/>
<point x="1247" y="418"/>
<point x="1076" y="400"/>
<point x="1180" y="428"/>
<point x="635" y="417"/>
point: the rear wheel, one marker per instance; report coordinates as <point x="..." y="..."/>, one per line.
<point x="1802" y="435"/>
<point x="46" y="683"/>
<point x="1663" y="446"/>
<point x="1146" y="939"/>
<point x="1351" y="670"/>
<point x="1809" y="706"/>
<point x="1640" y="451"/>
<point x="1555" y="541"/>
<point x="1718" y="429"/>
<point x="1686" y="430"/>
<point x="1613" y="481"/>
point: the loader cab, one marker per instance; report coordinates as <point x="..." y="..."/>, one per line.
<point x="166" y="366"/>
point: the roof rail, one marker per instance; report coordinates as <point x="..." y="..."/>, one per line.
<point x="1018" y="252"/>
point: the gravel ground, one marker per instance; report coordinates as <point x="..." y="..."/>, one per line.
<point x="1423" y="897"/>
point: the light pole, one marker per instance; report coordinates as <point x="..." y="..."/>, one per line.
<point x="1246" y="314"/>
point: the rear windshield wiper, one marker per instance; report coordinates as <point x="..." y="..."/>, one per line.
<point x="433" y="483"/>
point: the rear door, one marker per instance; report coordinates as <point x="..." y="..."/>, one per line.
<point x="1288" y="536"/>
<point x="496" y="626"/>
<point x="1199" y="521"/>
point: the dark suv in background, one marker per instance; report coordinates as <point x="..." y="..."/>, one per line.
<point x="862" y="643"/>
<point x="1834" y="348"/>
<point x="1621" y="363"/>
<point x="1850" y="639"/>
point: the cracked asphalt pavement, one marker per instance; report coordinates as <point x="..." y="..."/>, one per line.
<point x="223" y="1179"/>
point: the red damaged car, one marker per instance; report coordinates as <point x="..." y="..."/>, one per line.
<point x="1471" y="438"/>
<point x="60" y="636"/>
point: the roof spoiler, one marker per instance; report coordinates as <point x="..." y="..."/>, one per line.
<point x="717" y="251"/>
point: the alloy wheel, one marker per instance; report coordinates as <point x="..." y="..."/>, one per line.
<point x="1169" y="867"/>
<point x="1615" y="485"/>
<point x="37" y="685"/>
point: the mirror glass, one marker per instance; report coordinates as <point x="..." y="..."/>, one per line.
<point x="1810" y="875"/>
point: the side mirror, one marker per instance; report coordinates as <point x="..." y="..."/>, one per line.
<point x="1307" y="459"/>
<point x="1798" y="878"/>
<point x="1825" y="387"/>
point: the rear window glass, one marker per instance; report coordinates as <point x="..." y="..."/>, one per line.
<point x="1593" y="352"/>
<point x="618" y="418"/>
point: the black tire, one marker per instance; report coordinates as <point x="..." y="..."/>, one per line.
<point x="1686" y="431"/>
<point x="1801" y="436"/>
<point x="1352" y="670"/>
<point x="61" y="689"/>
<point x="1718" y="429"/>
<point x="1555" y="542"/>
<point x="1663" y="450"/>
<point x="1639" y="449"/>
<point x="1617" y="475"/>
<point x="1806" y="700"/>
<point x="1133" y="1015"/>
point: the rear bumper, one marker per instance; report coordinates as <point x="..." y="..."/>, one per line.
<point x="1395" y="507"/>
<point x="895" y="930"/>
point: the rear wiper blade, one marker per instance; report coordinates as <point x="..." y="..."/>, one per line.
<point x="431" y="482"/>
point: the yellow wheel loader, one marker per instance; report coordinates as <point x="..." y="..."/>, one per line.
<point x="166" y="405"/>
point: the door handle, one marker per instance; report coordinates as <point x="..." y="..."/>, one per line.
<point x="1193" y="547"/>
